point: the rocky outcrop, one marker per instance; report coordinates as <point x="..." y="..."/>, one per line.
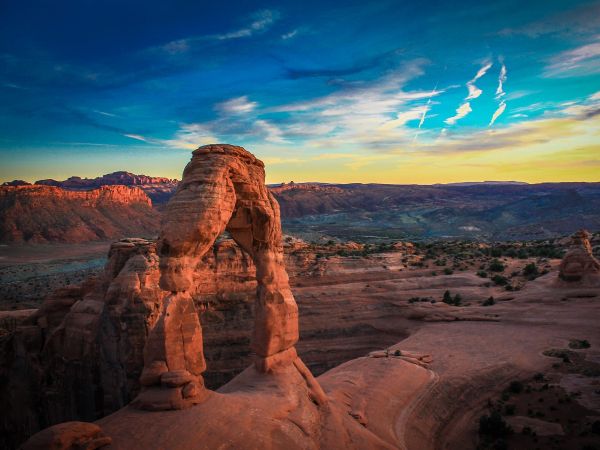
<point x="38" y="214"/>
<point x="579" y="263"/>
<point x="16" y="183"/>
<point x="223" y="188"/>
<point x="159" y="189"/>
<point x="315" y="187"/>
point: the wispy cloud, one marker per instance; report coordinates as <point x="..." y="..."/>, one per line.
<point x="497" y="113"/>
<point x="461" y="112"/>
<point x="260" y="21"/>
<point x="238" y="105"/>
<point x="289" y="35"/>
<point x="138" y="137"/>
<point x="426" y="109"/>
<point x="583" y="60"/>
<point x="502" y="77"/>
<point x="271" y="132"/>
<point x="501" y="80"/>
<point x="473" y="92"/>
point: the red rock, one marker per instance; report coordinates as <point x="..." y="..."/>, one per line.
<point x="579" y="262"/>
<point x="37" y="214"/>
<point x="68" y="436"/>
<point x="223" y="188"/>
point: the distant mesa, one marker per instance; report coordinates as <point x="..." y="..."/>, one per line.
<point x="41" y="214"/>
<point x="16" y="183"/>
<point x="291" y="186"/>
<point x="121" y="177"/>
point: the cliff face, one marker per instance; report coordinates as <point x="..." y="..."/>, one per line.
<point x="37" y="214"/>
<point x="159" y="189"/>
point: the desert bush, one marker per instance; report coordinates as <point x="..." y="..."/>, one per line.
<point x="579" y="344"/>
<point x="496" y="266"/>
<point x="448" y="271"/>
<point x="531" y="271"/>
<point x="500" y="280"/>
<point x="516" y="387"/>
<point x="493" y="425"/>
<point x="489" y="302"/>
<point x="482" y="273"/>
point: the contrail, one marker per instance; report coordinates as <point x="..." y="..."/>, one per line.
<point x="426" y="110"/>
<point x="501" y="79"/>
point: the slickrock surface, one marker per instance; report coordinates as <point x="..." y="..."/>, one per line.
<point x="579" y="264"/>
<point x="38" y="214"/>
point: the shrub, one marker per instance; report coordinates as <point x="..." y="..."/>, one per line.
<point x="522" y="254"/>
<point x="500" y="280"/>
<point x="489" y="302"/>
<point x="516" y="387"/>
<point x="448" y="271"/>
<point x="531" y="271"/>
<point x="578" y="344"/>
<point x="496" y="266"/>
<point x="482" y="273"/>
<point x="447" y="298"/>
<point x="496" y="252"/>
<point x="493" y="425"/>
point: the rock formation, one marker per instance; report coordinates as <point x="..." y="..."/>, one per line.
<point x="38" y="214"/>
<point x="159" y="189"/>
<point x="223" y="188"/>
<point x="579" y="263"/>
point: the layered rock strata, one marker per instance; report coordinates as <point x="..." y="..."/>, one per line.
<point x="40" y="214"/>
<point x="223" y="189"/>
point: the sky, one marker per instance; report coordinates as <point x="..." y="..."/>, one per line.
<point x="372" y="92"/>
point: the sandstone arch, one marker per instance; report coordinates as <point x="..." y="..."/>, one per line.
<point x="223" y="188"/>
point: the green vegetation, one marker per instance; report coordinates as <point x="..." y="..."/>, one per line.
<point x="448" y="271"/>
<point x="496" y="266"/>
<point x="579" y="344"/>
<point x="531" y="271"/>
<point x="493" y="425"/>
<point x="449" y="300"/>
<point x="500" y="280"/>
<point x="489" y="302"/>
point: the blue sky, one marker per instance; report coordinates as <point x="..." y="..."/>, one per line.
<point x="388" y="91"/>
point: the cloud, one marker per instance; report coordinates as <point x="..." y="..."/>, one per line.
<point x="461" y="112"/>
<point x="238" y="105"/>
<point x="501" y="80"/>
<point x="473" y="92"/>
<point x="578" y="21"/>
<point x="190" y="136"/>
<point x="272" y="133"/>
<point x="261" y="21"/>
<point x="497" y="113"/>
<point x="289" y="35"/>
<point x="583" y="60"/>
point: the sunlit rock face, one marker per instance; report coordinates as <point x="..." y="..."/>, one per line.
<point x="223" y="189"/>
<point x="37" y="214"/>
<point x="579" y="263"/>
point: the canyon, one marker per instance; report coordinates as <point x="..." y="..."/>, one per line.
<point x="368" y="212"/>
<point x="223" y="313"/>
